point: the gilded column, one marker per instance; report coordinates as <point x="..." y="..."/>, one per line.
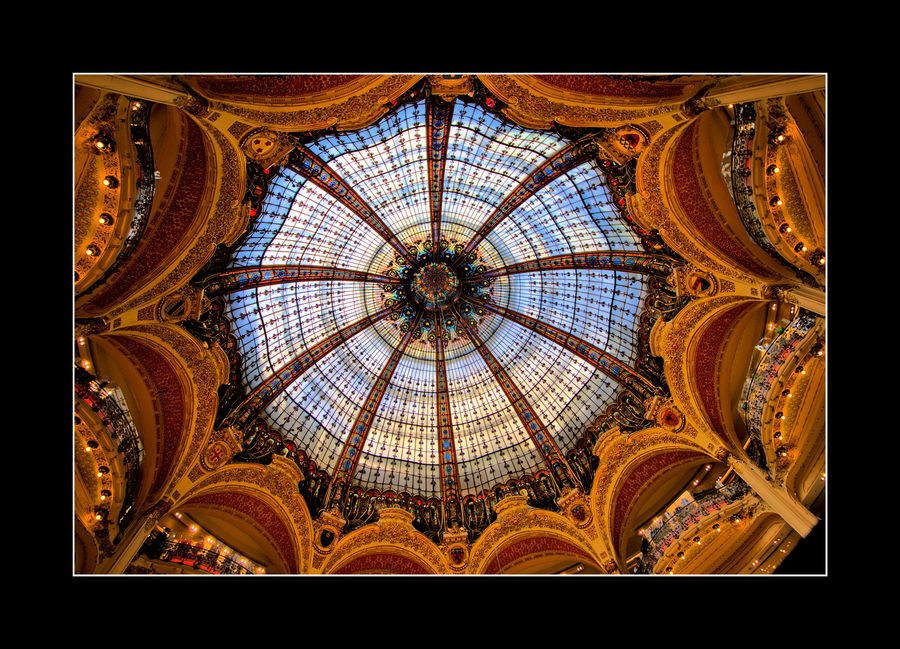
<point x="781" y="502"/>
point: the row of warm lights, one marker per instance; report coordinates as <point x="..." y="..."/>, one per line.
<point x="102" y="470"/>
<point x="771" y="170"/>
<point x="735" y="519"/>
<point x="220" y="548"/>
<point x="707" y="468"/>
<point x="104" y="219"/>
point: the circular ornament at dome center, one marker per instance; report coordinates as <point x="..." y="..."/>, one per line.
<point x="434" y="286"/>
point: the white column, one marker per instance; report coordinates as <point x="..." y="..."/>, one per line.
<point x="781" y="502"/>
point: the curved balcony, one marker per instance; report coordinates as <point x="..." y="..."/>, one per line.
<point x="197" y="557"/>
<point x="129" y="449"/>
<point x="686" y="518"/>
<point x="742" y="184"/>
<point x="145" y="185"/>
<point x="775" y="360"/>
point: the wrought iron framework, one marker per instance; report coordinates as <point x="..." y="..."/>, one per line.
<point x="527" y="330"/>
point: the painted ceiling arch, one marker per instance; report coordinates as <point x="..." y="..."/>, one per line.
<point x="719" y="364"/>
<point x="252" y="520"/>
<point x="638" y="480"/>
<point x="512" y="554"/>
<point x="180" y="209"/>
<point x="391" y="545"/>
<point x="162" y="408"/>
<point x="705" y="207"/>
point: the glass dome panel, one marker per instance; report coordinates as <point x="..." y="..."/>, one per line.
<point x="304" y="224"/>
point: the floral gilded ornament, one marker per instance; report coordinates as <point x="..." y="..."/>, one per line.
<point x="434" y="283"/>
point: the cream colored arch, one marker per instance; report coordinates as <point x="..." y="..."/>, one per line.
<point x="256" y="509"/>
<point x="209" y="200"/>
<point x="170" y="381"/>
<point x="629" y="466"/>
<point x="390" y="546"/>
<point x="706" y="350"/>
<point x="525" y="539"/>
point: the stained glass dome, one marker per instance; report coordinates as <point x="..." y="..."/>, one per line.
<point x="438" y="302"/>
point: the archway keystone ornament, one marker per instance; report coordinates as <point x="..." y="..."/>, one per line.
<point x="576" y="508"/>
<point x="223" y="445"/>
<point x="456" y="547"/>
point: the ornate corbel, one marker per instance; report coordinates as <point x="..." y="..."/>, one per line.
<point x="449" y="86"/>
<point x="455" y="546"/>
<point x="623" y="144"/>
<point x="691" y="281"/>
<point x="328" y="528"/>
<point x="664" y="413"/>
<point x="575" y="507"/>
<point x="223" y="445"/>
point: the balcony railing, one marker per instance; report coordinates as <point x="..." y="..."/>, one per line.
<point x="756" y="390"/>
<point x="118" y="422"/>
<point x="742" y="186"/>
<point x="201" y="558"/>
<point x="686" y="517"/>
<point x="145" y="185"/>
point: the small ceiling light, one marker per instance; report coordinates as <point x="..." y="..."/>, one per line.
<point x="111" y="181"/>
<point x="772" y="169"/>
<point x="92" y="251"/>
<point x="716" y="527"/>
<point x="784" y="228"/>
<point x="105" y="219"/>
<point x="697" y="540"/>
<point x="800" y="247"/>
<point x="775" y="202"/>
<point x="93" y="444"/>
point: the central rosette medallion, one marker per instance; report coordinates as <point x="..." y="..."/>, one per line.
<point x="436" y="292"/>
<point x="434" y="286"/>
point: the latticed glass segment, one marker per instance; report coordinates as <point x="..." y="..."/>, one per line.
<point x="450" y="241"/>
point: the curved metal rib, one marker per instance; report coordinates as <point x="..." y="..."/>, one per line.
<point x="350" y="455"/>
<point x="608" y="364"/>
<point x="439" y="113"/>
<point x="311" y="167"/>
<point x="637" y="262"/>
<point x="264" y="394"/>
<point x="240" y="279"/>
<point x="539" y="434"/>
